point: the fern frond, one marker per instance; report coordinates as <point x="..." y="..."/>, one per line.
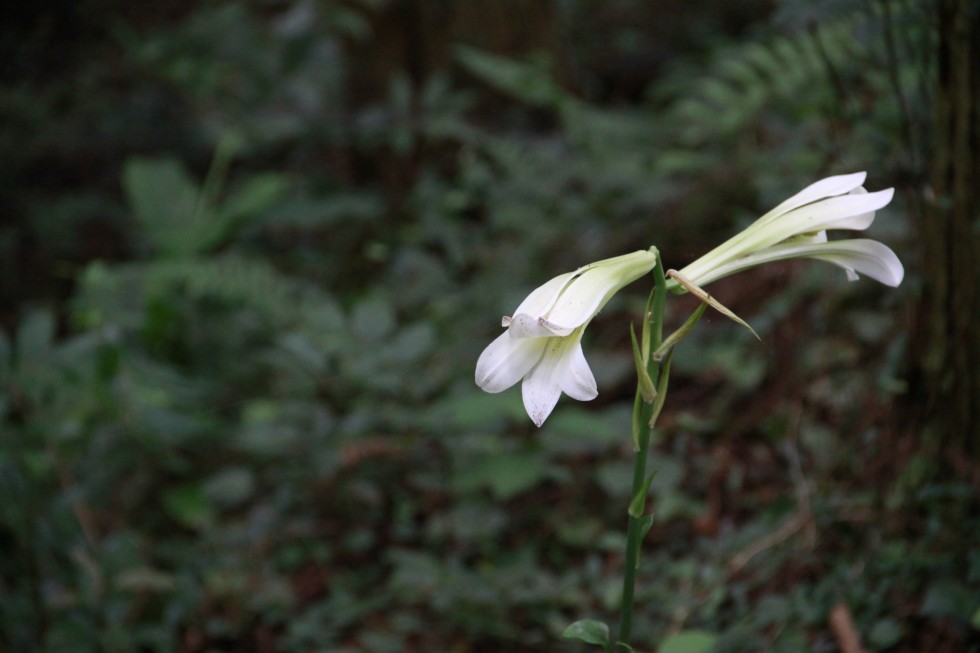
<point x="745" y="78"/>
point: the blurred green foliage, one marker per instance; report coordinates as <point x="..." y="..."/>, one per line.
<point x="248" y="271"/>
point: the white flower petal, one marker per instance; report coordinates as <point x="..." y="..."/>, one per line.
<point x="576" y="379"/>
<point x="868" y="257"/>
<point x="580" y="301"/>
<point x="854" y="211"/>
<point x="829" y="187"/>
<point x="541" y="388"/>
<point x="542" y="297"/>
<point x="863" y="218"/>
<point x="862" y="255"/>
<point x="807" y="239"/>
<point x="562" y="368"/>
<point x="507" y="360"/>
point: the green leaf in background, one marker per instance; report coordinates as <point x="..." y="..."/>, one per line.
<point x="372" y="319"/>
<point x="229" y="487"/>
<point x="949" y="598"/>
<point x="688" y="641"/>
<point x="885" y="633"/>
<point x="589" y="631"/>
<point x="165" y="200"/>
<point x="475" y="409"/>
<point x="255" y="195"/>
<point x="182" y="219"/>
<point x="577" y="430"/>
<point x="33" y="368"/>
<point x="530" y="81"/>
<point x="144" y="579"/>
<point x="35" y="337"/>
<point x="189" y="506"/>
<point x="505" y="474"/>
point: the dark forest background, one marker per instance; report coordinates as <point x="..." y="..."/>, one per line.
<point x="251" y="250"/>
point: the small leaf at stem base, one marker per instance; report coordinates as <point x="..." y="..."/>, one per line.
<point x="589" y="631"/>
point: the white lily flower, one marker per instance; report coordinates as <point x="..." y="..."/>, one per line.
<point x="543" y="341"/>
<point x="797" y="228"/>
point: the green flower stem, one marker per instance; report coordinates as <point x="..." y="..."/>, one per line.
<point x="634" y="532"/>
<point x="642" y="413"/>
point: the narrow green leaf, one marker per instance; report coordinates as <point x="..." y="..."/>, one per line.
<point x="647" y="391"/>
<point x="658" y="405"/>
<point x="637" y="421"/>
<point x="214" y="182"/>
<point x="646" y="523"/>
<point x="708" y="299"/>
<point x="639" y="500"/>
<point x="681" y="333"/>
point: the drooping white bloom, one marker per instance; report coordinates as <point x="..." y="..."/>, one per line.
<point x="797" y="228"/>
<point x="543" y="341"/>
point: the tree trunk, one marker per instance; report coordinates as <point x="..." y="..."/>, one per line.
<point x="946" y="340"/>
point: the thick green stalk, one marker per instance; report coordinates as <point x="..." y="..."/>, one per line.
<point x="642" y="412"/>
